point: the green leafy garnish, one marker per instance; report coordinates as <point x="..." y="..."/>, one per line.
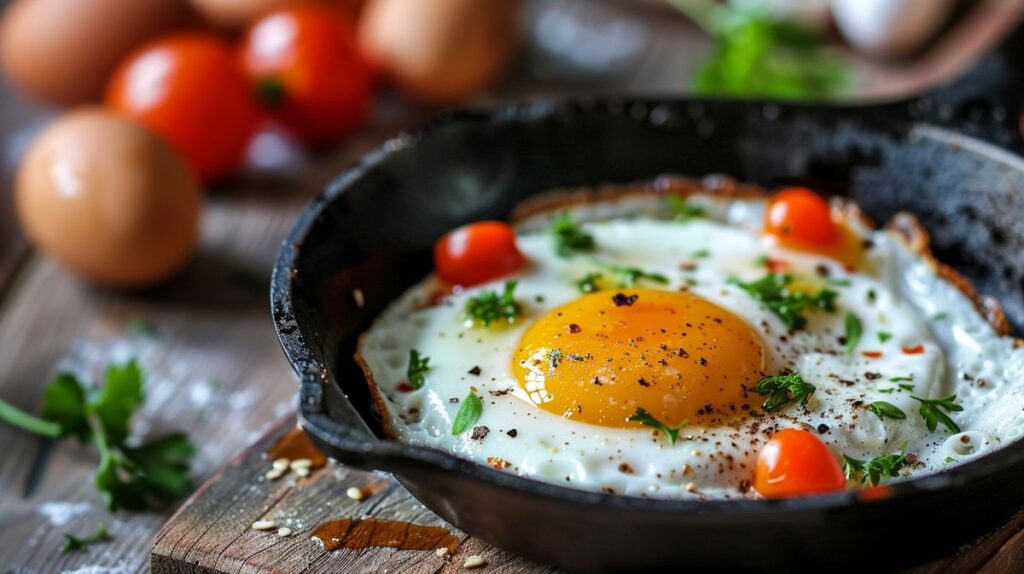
<point x="874" y="470"/>
<point x="884" y="336"/>
<point x="906" y="387"/>
<point x="470" y="411"/>
<point x="885" y="410"/>
<point x="949" y="460"/>
<point x="684" y="209"/>
<point x="838" y="282"/>
<point x="569" y="237"/>
<point x="74" y="543"/>
<point x="940" y="317"/>
<point x="647" y="419"/>
<point x="758" y="55"/>
<point x="630" y="276"/>
<point x="489" y="306"/>
<point x="701" y="254"/>
<point x="900" y="379"/>
<point x="589" y="283"/>
<point x="761" y="260"/>
<point x="130" y="477"/>
<point x="782" y="390"/>
<point x="772" y="292"/>
<point x="932" y="412"/>
<point x="853" y="332"/>
<point x="418" y="367"/>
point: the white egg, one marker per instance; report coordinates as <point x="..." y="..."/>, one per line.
<point x="904" y="350"/>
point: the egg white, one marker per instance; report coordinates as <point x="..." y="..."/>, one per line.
<point x="963" y="354"/>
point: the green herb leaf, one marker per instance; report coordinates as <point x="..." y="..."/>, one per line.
<point x="853" y="332"/>
<point x="418" y="367"/>
<point x="838" y="282"/>
<point x="74" y="543"/>
<point x="772" y="292"/>
<point x="589" y="283"/>
<point x="782" y="390"/>
<point x="906" y="387"/>
<point x="900" y="379"/>
<point x="874" y="470"/>
<point x="701" y="254"/>
<point x="883" y="409"/>
<point x="569" y="237"/>
<point x="489" y="306"/>
<point x="940" y="317"/>
<point x="647" y="419"/>
<point x="630" y="276"/>
<point x="18" y="418"/>
<point x="470" y="411"/>
<point x="115" y="403"/>
<point x="684" y="209"/>
<point x="64" y="404"/>
<point x="933" y="411"/>
<point x="884" y="336"/>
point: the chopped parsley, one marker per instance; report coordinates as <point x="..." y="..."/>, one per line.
<point x="470" y="411"/>
<point x="854" y="329"/>
<point x="647" y="419"/>
<point x="906" y="387"/>
<point x="73" y="543"/>
<point x="569" y="237"/>
<point x="872" y="295"/>
<point x="884" y="336"/>
<point x="782" y="390"/>
<point x="874" y="470"/>
<point x="630" y="276"/>
<point x="900" y="379"/>
<point x="489" y="306"/>
<point x="772" y="292"/>
<point x="884" y="410"/>
<point x="761" y="261"/>
<point x="701" y="254"/>
<point x="933" y="411"/>
<point x="684" y="210"/>
<point x="940" y="317"/>
<point x="128" y="476"/>
<point x="839" y="282"/>
<point x="950" y="460"/>
<point x="418" y="367"/>
<point x="589" y="283"/>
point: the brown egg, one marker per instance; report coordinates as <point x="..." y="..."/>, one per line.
<point x="62" y="51"/>
<point x="440" y="51"/>
<point x="237" y="13"/>
<point x="108" y="199"/>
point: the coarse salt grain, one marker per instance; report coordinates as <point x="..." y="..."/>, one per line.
<point x="284" y="532"/>
<point x="264" y="525"/>
<point x="441" y="551"/>
<point x="355" y="493"/>
<point x="474" y="561"/>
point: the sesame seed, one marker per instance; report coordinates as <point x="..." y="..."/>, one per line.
<point x="301" y="463"/>
<point x="302" y="472"/>
<point x="264" y="525"/>
<point x="355" y="493"/>
<point x="441" y="551"/>
<point x="281" y="464"/>
<point x="284" y="532"/>
<point x="274" y="474"/>
<point x="474" y="561"/>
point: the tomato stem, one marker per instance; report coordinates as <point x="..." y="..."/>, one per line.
<point x="270" y="92"/>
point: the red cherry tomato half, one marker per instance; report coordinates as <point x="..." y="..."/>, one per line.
<point x="477" y="253"/>
<point x="799" y="215"/>
<point x="304" y="66"/>
<point x="794" y="462"/>
<point x="188" y="89"/>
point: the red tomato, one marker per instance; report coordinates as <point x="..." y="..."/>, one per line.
<point x="794" y="462"/>
<point x="304" y="65"/>
<point x="188" y="88"/>
<point x="799" y="215"/>
<point x="476" y="253"/>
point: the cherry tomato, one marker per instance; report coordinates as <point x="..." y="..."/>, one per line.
<point x="188" y="89"/>
<point x="799" y="215"/>
<point x="305" y="67"/>
<point x="476" y="253"/>
<point x="794" y="462"/>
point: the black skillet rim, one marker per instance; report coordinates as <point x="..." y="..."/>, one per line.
<point x="313" y="373"/>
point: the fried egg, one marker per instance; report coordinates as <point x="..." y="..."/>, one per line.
<point x="662" y="321"/>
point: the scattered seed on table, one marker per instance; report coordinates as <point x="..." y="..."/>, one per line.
<point x="302" y="472"/>
<point x="273" y="474"/>
<point x="264" y="525"/>
<point x="301" y="463"/>
<point x="281" y="464"/>
<point x="355" y="493"/>
<point x="284" y="532"/>
<point x="474" y="561"/>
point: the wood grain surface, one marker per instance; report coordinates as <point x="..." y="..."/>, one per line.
<point x="214" y="365"/>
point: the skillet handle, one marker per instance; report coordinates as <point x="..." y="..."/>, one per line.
<point x="988" y="100"/>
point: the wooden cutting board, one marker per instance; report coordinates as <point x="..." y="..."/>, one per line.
<point x="378" y="527"/>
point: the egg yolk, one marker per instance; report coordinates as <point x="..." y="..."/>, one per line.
<point x="601" y="357"/>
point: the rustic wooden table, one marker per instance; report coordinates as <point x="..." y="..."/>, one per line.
<point x="214" y="366"/>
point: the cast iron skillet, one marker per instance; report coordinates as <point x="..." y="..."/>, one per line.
<point x="951" y="157"/>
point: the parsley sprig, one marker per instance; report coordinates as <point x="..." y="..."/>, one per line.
<point x="684" y="210"/>
<point x="418" y="367"/>
<point x="73" y="543"/>
<point x="569" y="237"/>
<point x="932" y="412"/>
<point x="773" y="292"/>
<point x="854" y="329"/>
<point x="782" y="390"/>
<point x="489" y="306"/>
<point x="874" y="470"/>
<point x="589" y="283"/>
<point x="883" y="410"/>
<point x="129" y="477"/>
<point x="647" y="419"/>
<point x="470" y="411"/>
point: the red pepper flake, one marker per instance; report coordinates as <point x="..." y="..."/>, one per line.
<point x="872" y="354"/>
<point x="776" y="265"/>
<point x="916" y="350"/>
<point x="405" y="388"/>
<point x="498" y="463"/>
